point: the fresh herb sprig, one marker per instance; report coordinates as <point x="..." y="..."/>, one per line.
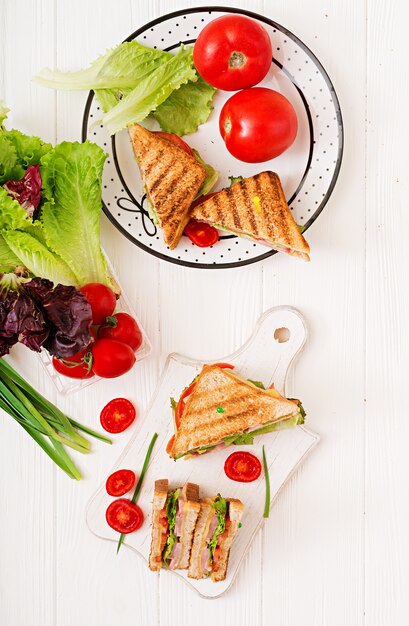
<point x="267" y="477"/>
<point x="140" y="481"/>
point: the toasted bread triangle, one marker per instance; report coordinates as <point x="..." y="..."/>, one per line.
<point x="256" y="207"/>
<point x="171" y="177"/>
<point x="242" y="406"/>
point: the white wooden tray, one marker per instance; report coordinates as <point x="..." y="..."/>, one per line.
<point x="263" y="357"/>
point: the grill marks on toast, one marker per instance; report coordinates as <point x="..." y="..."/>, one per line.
<point x="244" y="407"/>
<point x="171" y="177"/>
<point x="268" y="218"/>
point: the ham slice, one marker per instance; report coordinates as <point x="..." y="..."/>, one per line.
<point x="175" y="556"/>
<point x="206" y="567"/>
<point x="179" y="518"/>
<point x="212" y="528"/>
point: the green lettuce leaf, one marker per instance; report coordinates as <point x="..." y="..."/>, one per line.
<point x="12" y="215"/>
<point x="151" y="91"/>
<point x="256" y="383"/>
<point x="211" y="179"/>
<point x="121" y="67"/>
<point x="220" y="508"/>
<point x="3" y="111"/>
<point x="72" y="174"/>
<point x="186" y="108"/>
<point x="37" y="258"/>
<point x="8" y="260"/>
<point x="29" y="150"/>
<point x="247" y="438"/>
<point x="171" y="508"/>
<point x="235" y="179"/>
<point x="9" y="168"/>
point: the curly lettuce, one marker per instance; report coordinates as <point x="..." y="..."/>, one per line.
<point x="219" y="505"/>
<point x="171" y="510"/>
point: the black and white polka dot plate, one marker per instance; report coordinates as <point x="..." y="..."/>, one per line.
<point x="308" y="170"/>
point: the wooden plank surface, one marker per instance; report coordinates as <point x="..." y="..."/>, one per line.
<point x="335" y="549"/>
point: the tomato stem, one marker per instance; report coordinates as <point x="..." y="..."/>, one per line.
<point x="237" y="60"/>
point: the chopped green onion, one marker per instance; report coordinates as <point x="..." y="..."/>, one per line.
<point x="44" y="422"/>
<point x="140" y="481"/>
<point x="267" y="477"/>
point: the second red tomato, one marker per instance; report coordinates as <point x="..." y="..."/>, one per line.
<point x="258" y="124"/>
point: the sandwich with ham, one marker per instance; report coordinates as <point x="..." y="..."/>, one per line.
<point x="217" y="525"/>
<point x="174" y="516"/>
<point x="222" y="408"/>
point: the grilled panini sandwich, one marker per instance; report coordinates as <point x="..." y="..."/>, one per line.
<point x="255" y="207"/>
<point x="171" y="178"/>
<point x="216" y="527"/>
<point x="174" y="515"/>
<point x="223" y="408"/>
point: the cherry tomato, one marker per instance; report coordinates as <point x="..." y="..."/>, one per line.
<point x="124" y="516"/>
<point x="178" y="141"/>
<point x="202" y="234"/>
<point x="120" y="482"/>
<point x="180" y="407"/>
<point x="242" y="467"/>
<point x="122" y="327"/>
<point x="233" y="52"/>
<point x="78" y="365"/>
<point x="102" y="300"/>
<point x="257" y="124"/>
<point x="117" y="415"/>
<point x="112" y="358"/>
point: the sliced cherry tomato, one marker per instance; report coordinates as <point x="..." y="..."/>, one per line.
<point x="258" y="124"/>
<point x="202" y="234"/>
<point x="117" y="415"/>
<point x="180" y="407"/>
<point x="120" y="482"/>
<point x="122" y="327"/>
<point x="124" y="516"/>
<point x="225" y="366"/>
<point x="111" y="358"/>
<point x="178" y="141"/>
<point x="233" y="52"/>
<point x="102" y="300"/>
<point x="78" y="365"/>
<point x="242" y="467"/>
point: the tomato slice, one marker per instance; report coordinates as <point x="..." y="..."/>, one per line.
<point x="243" y="467"/>
<point x="180" y="407"/>
<point x="201" y="234"/>
<point x="225" y="366"/>
<point x="120" y="482"/>
<point x="117" y="415"/>
<point x="124" y="516"/>
<point x="178" y="141"/>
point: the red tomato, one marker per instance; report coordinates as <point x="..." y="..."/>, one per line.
<point x="78" y="365"/>
<point x="202" y="234"/>
<point x="180" y="407"/>
<point x="111" y="358"/>
<point x="120" y="482"/>
<point x="178" y="141"/>
<point x="233" y="52"/>
<point x="225" y="366"/>
<point x="258" y="124"/>
<point x="102" y="300"/>
<point x="242" y="467"/>
<point x="124" y="516"/>
<point x="122" y="327"/>
<point x="117" y="415"/>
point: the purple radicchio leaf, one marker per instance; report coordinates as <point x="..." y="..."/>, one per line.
<point x="69" y="317"/>
<point x="26" y="191"/>
<point x="26" y="320"/>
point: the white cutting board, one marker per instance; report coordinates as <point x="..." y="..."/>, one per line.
<point x="263" y="357"/>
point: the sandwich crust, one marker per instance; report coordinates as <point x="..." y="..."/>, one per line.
<point x="256" y="207"/>
<point x="159" y="501"/>
<point x="244" y="407"/>
<point x="171" y="177"/>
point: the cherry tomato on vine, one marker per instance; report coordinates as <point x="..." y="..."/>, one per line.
<point x="258" y="124"/>
<point x="233" y="52"/>
<point x="102" y="300"/>
<point x="111" y="358"/>
<point x="122" y="327"/>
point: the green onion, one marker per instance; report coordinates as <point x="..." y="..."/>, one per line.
<point x="267" y="477"/>
<point x="44" y="422"/>
<point x="140" y="481"/>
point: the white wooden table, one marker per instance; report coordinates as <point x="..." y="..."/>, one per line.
<point x="335" y="551"/>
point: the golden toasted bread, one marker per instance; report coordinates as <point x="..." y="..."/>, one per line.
<point x="256" y="207"/>
<point x="171" y="177"/>
<point x="223" y="404"/>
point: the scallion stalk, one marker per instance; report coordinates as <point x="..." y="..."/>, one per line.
<point x="267" y="477"/>
<point x="140" y="481"/>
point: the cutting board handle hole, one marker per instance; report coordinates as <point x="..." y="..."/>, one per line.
<point x="282" y="335"/>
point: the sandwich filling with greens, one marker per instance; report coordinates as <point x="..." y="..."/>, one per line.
<point x="221" y="408"/>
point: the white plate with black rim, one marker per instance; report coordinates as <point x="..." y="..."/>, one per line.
<point x="308" y="169"/>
